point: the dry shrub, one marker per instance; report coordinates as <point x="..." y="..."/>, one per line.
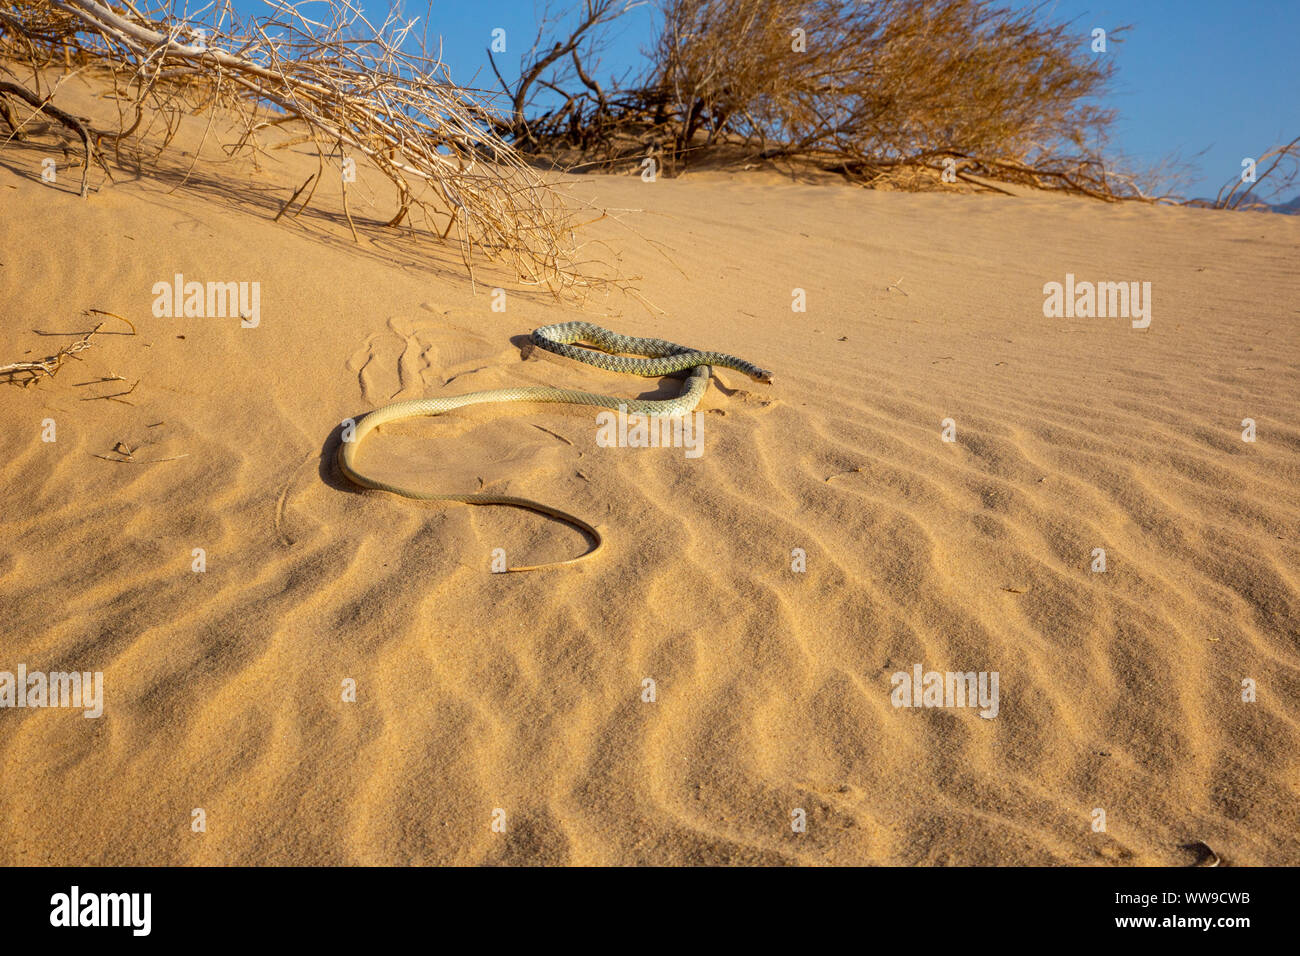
<point x="866" y="89"/>
<point x="894" y="82"/>
<point x="358" y="89"/>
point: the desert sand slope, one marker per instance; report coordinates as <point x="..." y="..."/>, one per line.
<point x="476" y="691"/>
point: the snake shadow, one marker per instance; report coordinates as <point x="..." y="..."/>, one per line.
<point x="327" y="467"/>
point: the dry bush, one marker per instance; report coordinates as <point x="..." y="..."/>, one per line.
<point x="356" y="87"/>
<point x="894" y="90"/>
<point x="894" y="82"/>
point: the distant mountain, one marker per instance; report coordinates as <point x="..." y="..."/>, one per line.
<point x="1289" y="208"/>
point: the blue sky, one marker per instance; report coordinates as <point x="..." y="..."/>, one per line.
<point x="1208" y="81"/>
<point x="1197" y="75"/>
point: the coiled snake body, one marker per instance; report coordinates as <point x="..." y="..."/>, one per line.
<point x="660" y="358"/>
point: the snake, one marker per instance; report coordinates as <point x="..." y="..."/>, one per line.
<point x="605" y="350"/>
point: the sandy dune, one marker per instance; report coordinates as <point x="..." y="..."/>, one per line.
<point x="476" y="691"/>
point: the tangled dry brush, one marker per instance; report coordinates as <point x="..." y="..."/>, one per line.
<point x="357" y="88"/>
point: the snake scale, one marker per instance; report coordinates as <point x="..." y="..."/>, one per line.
<point x="611" y="351"/>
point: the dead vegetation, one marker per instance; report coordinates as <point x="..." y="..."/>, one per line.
<point x="903" y="94"/>
<point x="357" y="90"/>
<point x="28" y="373"/>
<point x="910" y="93"/>
<point x="32" y="371"/>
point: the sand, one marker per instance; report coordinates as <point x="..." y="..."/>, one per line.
<point x="483" y="698"/>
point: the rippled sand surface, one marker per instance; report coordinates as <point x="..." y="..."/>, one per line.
<point x="522" y="697"/>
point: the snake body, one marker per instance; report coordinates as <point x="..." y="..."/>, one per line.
<point x="611" y="351"/>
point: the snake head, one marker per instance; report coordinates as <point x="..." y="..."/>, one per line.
<point x="764" y="376"/>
